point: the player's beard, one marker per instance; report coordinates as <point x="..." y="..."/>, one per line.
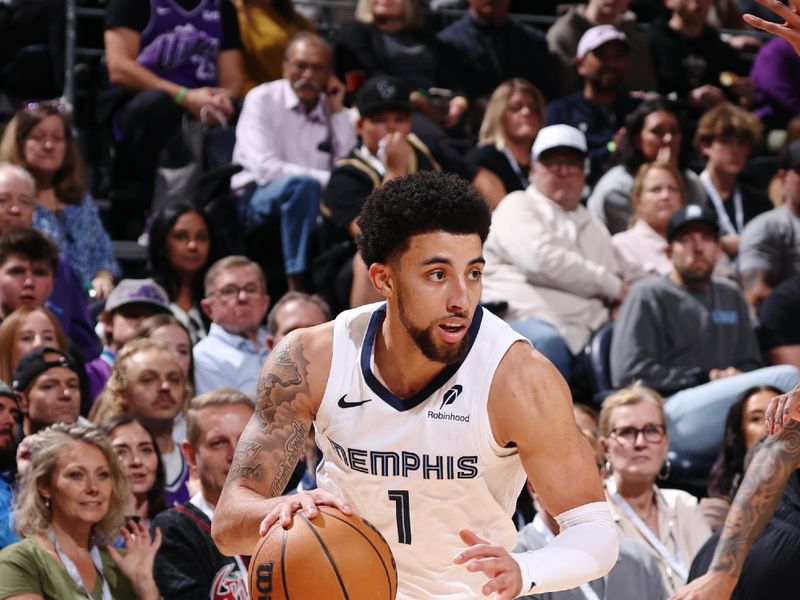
<point x="426" y="341"/>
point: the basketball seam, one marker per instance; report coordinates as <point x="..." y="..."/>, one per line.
<point x="361" y="533"/>
<point x="283" y="563"/>
<point x="327" y="554"/>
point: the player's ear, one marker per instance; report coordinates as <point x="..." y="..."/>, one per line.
<point x="381" y="277"/>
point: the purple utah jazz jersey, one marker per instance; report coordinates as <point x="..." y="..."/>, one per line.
<point x="182" y="46"/>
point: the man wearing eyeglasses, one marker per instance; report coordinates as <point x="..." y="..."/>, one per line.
<point x="289" y="135"/>
<point x="236" y="346"/>
<point x="689" y="337"/>
<point x="548" y="257"/>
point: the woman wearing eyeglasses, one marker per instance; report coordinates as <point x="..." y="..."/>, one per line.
<point x="39" y="138"/>
<point x="668" y="522"/>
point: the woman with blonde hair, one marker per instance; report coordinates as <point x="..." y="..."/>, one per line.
<point x="28" y="328"/>
<point x="70" y="507"/>
<point x="669" y="522"/>
<point x="513" y="118"/>
<point x="39" y="138"/>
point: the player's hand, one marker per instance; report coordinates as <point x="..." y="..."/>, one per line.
<point x="496" y="563"/>
<point x="714" y="585"/>
<point x="781" y="409"/>
<point x="306" y="501"/>
<point x="789" y="30"/>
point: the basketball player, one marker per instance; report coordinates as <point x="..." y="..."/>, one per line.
<point x="429" y="412"/>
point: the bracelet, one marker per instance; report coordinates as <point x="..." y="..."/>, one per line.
<point x="181" y="95"/>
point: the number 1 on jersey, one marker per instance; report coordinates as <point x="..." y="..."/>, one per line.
<point x="403" y="510"/>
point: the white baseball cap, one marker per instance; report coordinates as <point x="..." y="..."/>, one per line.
<point x="558" y="136"/>
<point x="597" y="36"/>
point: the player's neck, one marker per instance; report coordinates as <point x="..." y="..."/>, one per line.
<point x="403" y="377"/>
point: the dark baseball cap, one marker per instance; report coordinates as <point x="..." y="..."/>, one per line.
<point x="691" y="213"/>
<point x="791" y="158"/>
<point x="34" y="363"/>
<point x="383" y="92"/>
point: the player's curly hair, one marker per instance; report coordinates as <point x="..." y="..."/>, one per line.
<point x="422" y="202"/>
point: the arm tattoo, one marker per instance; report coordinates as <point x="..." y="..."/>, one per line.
<point x="275" y="438"/>
<point x="758" y="497"/>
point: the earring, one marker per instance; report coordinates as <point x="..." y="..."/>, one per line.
<point x="608" y="467"/>
<point x="46" y="502"/>
<point x="665" y="470"/>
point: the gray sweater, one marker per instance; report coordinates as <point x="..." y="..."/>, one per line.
<point x="670" y="337"/>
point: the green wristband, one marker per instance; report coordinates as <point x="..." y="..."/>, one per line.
<point x="181" y="95"/>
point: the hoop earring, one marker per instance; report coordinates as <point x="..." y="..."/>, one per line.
<point x="665" y="470"/>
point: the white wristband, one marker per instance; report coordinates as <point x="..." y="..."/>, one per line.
<point x="585" y="549"/>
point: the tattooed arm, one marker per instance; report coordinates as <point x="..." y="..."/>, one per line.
<point x="755" y="503"/>
<point x="290" y="388"/>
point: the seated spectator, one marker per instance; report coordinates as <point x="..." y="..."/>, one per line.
<point x="188" y="564"/>
<point x="485" y="48"/>
<point x="657" y="193"/>
<point x="513" y="118"/>
<point x="564" y="34"/>
<point x="635" y="435"/>
<point x="387" y="149"/>
<point x="147" y="384"/>
<point x="9" y="417"/>
<point x="725" y="136"/>
<point x="179" y="253"/>
<point x="155" y="85"/>
<point x="28" y="328"/>
<point x="390" y="38"/>
<point x="28" y="262"/>
<point x="67" y="299"/>
<point x="61" y="529"/>
<point x="295" y="310"/>
<point x="769" y="249"/>
<point x="635" y="576"/>
<point x="779" y="328"/>
<point x="744" y="426"/>
<point x="652" y="132"/>
<point x="600" y="107"/>
<point x="170" y="331"/>
<point x="549" y="258"/>
<point x="132" y="301"/>
<point x="289" y="135"/>
<point x="236" y="346"/>
<point x="692" y="61"/>
<point x="39" y="138"/>
<point x="689" y="337"/>
<point x="47" y="385"/>
<point x="266" y="26"/>
<point x="137" y="452"/>
<point x="776" y="81"/>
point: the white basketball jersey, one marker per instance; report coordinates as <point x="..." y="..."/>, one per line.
<point x="421" y="468"/>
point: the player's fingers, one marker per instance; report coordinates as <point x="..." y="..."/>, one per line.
<point x="470" y="538"/>
<point x="333" y="500"/>
<point x="769" y="414"/>
<point x="490" y="566"/>
<point x="267" y="523"/>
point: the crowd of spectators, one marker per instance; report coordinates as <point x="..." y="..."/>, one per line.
<point x="622" y="150"/>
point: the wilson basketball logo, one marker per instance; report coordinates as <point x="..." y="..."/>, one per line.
<point x="264" y="581"/>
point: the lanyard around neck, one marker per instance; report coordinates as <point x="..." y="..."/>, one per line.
<point x="674" y="561"/>
<point x="523" y="179"/>
<point x="722" y="214"/>
<point x="72" y="570"/>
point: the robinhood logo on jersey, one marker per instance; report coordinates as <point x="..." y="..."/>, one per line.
<point x="447" y="407"/>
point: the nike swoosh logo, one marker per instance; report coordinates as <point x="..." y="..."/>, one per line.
<point x="344" y="404"/>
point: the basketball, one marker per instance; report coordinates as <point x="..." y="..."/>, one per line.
<point x="333" y="556"/>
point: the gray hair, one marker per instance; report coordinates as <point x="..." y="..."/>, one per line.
<point x="20" y="172"/>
